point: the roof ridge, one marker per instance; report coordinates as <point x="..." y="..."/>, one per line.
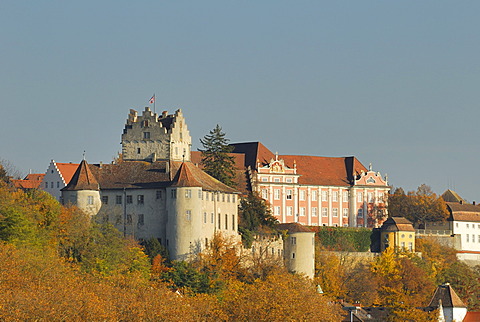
<point x="83" y="179"/>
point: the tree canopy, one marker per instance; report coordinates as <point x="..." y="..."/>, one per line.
<point x="418" y="206"/>
<point x="215" y="158"/>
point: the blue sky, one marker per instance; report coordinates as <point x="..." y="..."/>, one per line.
<point x="394" y="83"/>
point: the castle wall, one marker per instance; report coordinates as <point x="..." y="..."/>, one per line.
<point x="86" y="200"/>
<point x="299" y="250"/>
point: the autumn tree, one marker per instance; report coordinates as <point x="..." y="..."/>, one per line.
<point x="215" y="156"/>
<point x="418" y="206"/>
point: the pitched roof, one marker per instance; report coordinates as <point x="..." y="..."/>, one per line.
<point x="188" y="175"/>
<point x="31" y="181"/>
<point x="67" y="170"/>
<point x="150" y="175"/>
<point x="452" y="196"/>
<point x="463" y="212"/>
<point x="313" y="170"/>
<point x="83" y="179"/>
<point x="447" y="295"/>
<point x="397" y="224"/>
<point x="294" y="227"/>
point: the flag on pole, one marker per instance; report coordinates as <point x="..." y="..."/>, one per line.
<point x="152" y="100"/>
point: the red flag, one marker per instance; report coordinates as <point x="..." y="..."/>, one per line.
<point x="152" y="100"/>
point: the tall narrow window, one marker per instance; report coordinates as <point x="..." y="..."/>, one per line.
<point x="324" y="196"/>
<point x="335" y="196"/>
<point x="140" y="199"/>
<point x="289" y="194"/>
<point x="276" y="194"/>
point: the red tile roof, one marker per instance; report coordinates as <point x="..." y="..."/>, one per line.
<point x="313" y="170"/>
<point x="472" y="317"/>
<point x="397" y="224"/>
<point x="67" y="170"/>
<point x="189" y="175"/>
<point x="31" y="181"/>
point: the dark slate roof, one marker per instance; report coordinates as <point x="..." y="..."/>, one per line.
<point x="152" y="175"/>
<point x="447" y="295"/>
<point x="463" y="212"/>
<point x="397" y="224"/>
<point x="294" y="227"/>
<point x="83" y="179"/>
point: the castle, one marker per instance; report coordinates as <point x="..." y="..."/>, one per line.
<point x="155" y="191"/>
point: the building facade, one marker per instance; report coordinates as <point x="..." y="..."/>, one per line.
<point x="57" y="176"/>
<point x="313" y="190"/>
<point x="156" y="192"/>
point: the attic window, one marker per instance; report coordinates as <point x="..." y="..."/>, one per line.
<point x="371" y="180"/>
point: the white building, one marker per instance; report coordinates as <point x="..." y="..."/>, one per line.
<point x="57" y="176"/>
<point x="153" y="192"/>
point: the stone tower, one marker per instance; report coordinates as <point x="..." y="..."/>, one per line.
<point x="149" y="137"/>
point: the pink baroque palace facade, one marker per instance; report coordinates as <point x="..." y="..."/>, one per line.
<point x="314" y="190"/>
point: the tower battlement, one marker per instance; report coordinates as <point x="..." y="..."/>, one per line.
<point x="150" y="137"/>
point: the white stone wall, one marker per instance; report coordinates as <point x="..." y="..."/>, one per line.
<point x="300" y="253"/>
<point x="53" y="181"/>
<point x="470" y="235"/>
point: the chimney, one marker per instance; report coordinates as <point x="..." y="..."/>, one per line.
<point x="473" y="202"/>
<point x="461" y="202"/>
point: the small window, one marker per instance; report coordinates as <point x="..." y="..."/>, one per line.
<point x="293" y="240"/>
<point x="188" y="193"/>
<point x="324" y="196"/>
<point x="223" y="197"/>
<point x="129" y="199"/>
<point x="138" y="150"/>
<point x="276" y="194"/>
<point x="293" y="255"/>
<point x="188" y="214"/>
<point x="264" y="179"/>
<point x="289" y="180"/>
<point x="370" y="180"/>
<point x="219" y="223"/>
<point x="46" y="184"/>
<point x="129" y="219"/>
<point x="289" y="194"/>
<point x="174" y="193"/>
<point x="105" y="200"/>
<point x="118" y="200"/>
<point x="51" y="184"/>
<point x="226" y="221"/>
<point x="212" y="218"/>
<point x="90" y="200"/>
<point x="140" y="199"/>
<point x="335" y="212"/>
<point x="335" y="196"/>
<point x="159" y="194"/>
<point x="204" y="217"/>
<point x="58" y="184"/>
<point x="141" y="219"/>
<point x="200" y="194"/>
<point x="234" y="199"/>
<point x="233" y="222"/>
<point x="146" y="135"/>
<point x="360" y="197"/>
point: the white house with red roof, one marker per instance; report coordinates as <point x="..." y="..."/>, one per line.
<point x="57" y="176"/>
<point x="314" y="190"/>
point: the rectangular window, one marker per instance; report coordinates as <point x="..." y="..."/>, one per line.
<point x="140" y="219"/>
<point x="105" y="200"/>
<point x="314" y="195"/>
<point x="233" y="198"/>
<point x="293" y="240"/>
<point x="90" y="200"/>
<point x="51" y="184"/>
<point x="335" y="212"/>
<point x="159" y="194"/>
<point x="289" y="180"/>
<point x="219" y="223"/>
<point x="314" y="211"/>
<point x="360" y="197"/>
<point x="233" y="222"/>
<point x="174" y="193"/>
<point x="46" y="184"/>
<point x="146" y="135"/>
<point x="468" y="238"/>
<point x="276" y="210"/>
<point x="200" y="194"/>
<point x="212" y="218"/>
<point x="138" y="150"/>
<point x="188" y="193"/>
<point x="289" y="211"/>
<point x="302" y="194"/>
<point x="218" y="196"/>
<point x="129" y="219"/>
<point x="226" y="221"/>
<point x="345" y="212"/>
<point x="228" y="197"/>
<point x="302" y="211"/>
<point x="324" y="195"/>
<point x="140" y="199"/>
<point x="360" y="212"/>
<point x="345" y="196"/>
<point x="264" y="179"/>
<point x="265" y="194"/>
<point x="129" y="199"/>
<point x="188" y="215"/>
<point x="289" y="194"/>
<point x="204" y="217"/>
<point x="473" y="238"/>
<point x="335" y="196"/>
<point x="206" y="196"/>
<point x="118" y="200"/>
<point x="370" y="197"/>
<point x="276" y="180"/>
<point x="58" y="184"/>
<point x="324" y="212"/>
<point x="277" y="194"/>
<point x="410" y="246"/>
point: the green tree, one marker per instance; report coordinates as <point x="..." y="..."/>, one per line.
<point x="215" y="158"/>
<point x="255" y="215"/>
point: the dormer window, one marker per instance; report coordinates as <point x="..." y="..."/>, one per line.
<point x="371" y="180"/>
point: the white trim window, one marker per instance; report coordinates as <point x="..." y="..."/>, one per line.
<point x="276" y="194"/>
<point x="324" y="212"/>
<point x="314" y="195"/>
<point x="324" y="196"/>
<point x="360" y="212"/>
<point x="360" y="196"/>
<point x="335" y="212"/>
<point x="335" y="196"/>
<point x="302" y="195"/>
<point x="345" y="196"/>
<point x="314" y="211"/>
<point x="276" y="210"/>
<point x="289" y="194"/>
<point x="265" y="194"/>
<point x="289" y="211"/>
<point x="302" y="211"/>
<point x="345" y="212"/>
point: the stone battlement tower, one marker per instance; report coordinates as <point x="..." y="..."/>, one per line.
<point x="150" y="137"/>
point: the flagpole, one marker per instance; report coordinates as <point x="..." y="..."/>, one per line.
<point x="154" y="99"/>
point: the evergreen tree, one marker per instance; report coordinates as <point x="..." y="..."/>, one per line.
<point x="215" y="158"/>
